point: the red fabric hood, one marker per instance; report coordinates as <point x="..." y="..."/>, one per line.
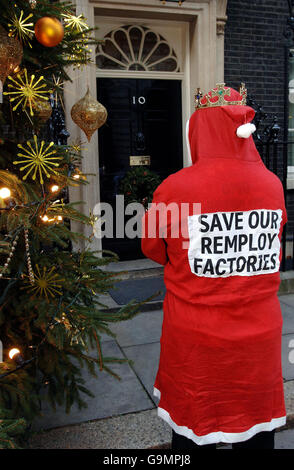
<point x="212" y="131"/>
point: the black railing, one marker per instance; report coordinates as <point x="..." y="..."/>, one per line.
<point x="271" y="153"/>
<point x="274" y="153"/>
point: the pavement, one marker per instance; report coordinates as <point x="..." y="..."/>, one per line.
<point x="123" y="414"/>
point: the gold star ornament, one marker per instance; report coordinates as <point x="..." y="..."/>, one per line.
<point x="27" y="90"/>
<point x="38" y="159"/>
<point x="20" y="28"/>
<point x="77" y="23"/>
<point x="46" y="283"/>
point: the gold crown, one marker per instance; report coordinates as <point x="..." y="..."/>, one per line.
<point x="221" y="92"/>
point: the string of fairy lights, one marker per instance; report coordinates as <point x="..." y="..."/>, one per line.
<point x="7" y="204"/>
<point x="15" y="354"/>
<point x="36" y="159"/>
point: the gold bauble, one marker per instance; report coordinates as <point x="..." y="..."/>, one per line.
<point x="43" y="110"/>
<point x="49" y="31"/>
<point x="89" y="114"/>
<point x="11" y="52"/>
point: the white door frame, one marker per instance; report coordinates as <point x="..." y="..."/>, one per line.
<point x="204" y="66"/>
<point x="182" y="52"/>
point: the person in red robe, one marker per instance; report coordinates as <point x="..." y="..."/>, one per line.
<point x="216" y="226"/>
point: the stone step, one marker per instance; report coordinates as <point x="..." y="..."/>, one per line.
<point x="145" y="268"/>
<point x="135" y="269"/>
<point x="287" y="283"/>
<point x="286" y="287"/>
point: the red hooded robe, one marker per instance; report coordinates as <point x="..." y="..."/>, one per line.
<point x="219" y="377"/>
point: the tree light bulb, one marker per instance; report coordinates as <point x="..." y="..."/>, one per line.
<point x="5" y="193"/>
<point x="45" y="218"/>
<point x="13" y="352"/>
<point x="54" y="188"/>
<point x="15" y="355"/>
<point x="76" y="177"/>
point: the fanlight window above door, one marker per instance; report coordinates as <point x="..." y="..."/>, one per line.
<point x="136" y="48"/>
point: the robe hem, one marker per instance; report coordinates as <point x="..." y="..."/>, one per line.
<point x="218" y="436"/>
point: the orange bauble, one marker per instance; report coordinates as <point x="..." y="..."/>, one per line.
<point x="49" y="31"/>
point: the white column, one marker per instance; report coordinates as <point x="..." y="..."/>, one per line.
<point x="221" y="19"/>
<point x="207" y="46"/>
<point x="73" y="92"/>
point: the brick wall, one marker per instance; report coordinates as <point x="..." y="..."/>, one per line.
<point x="254" y="50"/>
<point x="254" y="54"/>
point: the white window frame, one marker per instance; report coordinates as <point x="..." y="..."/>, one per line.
<point x="143" y="60"/>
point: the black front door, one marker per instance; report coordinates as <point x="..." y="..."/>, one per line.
<point x="144" y="118"/>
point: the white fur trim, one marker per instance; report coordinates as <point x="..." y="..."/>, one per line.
<point x="188" y="144"/>
<point x="219" y="436"/>
<point x="246" y="130"/>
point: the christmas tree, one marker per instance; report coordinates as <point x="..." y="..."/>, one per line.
<point x="11" y="430"/>
<point x="50" y="312"/>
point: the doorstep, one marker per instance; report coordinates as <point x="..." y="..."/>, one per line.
<point x="147" y="270"/>
<point x="134" y="278"/>
<point x="287" y="283"/>
<point x="135" y="269"/>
